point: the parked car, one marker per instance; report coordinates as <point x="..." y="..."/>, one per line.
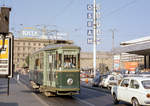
<point x="84" y="74"/>
<point x="134" y="90"/>
<point x="96" y="80"/>
<point x="109" y="81"/>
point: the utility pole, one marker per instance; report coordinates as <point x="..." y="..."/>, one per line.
<point x="94" y="37"/>
<point x="113" y="41"/>
<point x="113" y="36"/>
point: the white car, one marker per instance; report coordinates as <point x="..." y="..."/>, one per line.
<point x="109" y="81"/>
<point x="134" y="90"/>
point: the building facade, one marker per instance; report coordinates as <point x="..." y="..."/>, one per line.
<point x="23" y="47"/>
<point x="103" y="60"/>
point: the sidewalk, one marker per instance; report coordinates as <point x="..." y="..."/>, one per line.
<point x="19" y="95"/>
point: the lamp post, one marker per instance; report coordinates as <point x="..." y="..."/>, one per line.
<point x="94" y="37"/>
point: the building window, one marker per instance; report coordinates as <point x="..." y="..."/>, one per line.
<point x="29" y="43"/>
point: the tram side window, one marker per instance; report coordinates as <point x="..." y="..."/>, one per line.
<point x="37" y="64"/>
<point x="59" y="60"/>
<point x="69" y="61"/>
<point x="54" y="61"/>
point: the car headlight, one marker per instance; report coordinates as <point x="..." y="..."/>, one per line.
<point x="70" y="81"/>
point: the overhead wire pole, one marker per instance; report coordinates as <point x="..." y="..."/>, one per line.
<point x="113" y="35"/>
<point x="113" y="41"/>
<point x="94" y="37"/>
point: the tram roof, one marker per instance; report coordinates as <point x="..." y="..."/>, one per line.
<point x="140" y="49"/>
<point x="58" y="46"/>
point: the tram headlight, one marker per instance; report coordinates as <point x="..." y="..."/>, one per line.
<point x="70" y="81"/>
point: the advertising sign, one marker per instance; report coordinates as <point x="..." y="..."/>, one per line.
<point x="131" y="66"/>
<point x="30" y="32"/>
<point x="90" y="24"/>
<point x="4" y="58"/>
<point x="90" y="32"/>
<point x="89" y="15"/>
<point x="116" y="62"/>
<point x="90" y="7"/>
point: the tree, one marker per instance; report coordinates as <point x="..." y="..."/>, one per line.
<point x="27" y="61"/>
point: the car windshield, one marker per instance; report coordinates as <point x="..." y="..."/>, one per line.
<point x="146" y="84"/>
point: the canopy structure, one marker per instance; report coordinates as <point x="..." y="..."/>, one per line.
<point x="140" y="49"/>
<point x="139" y="46"/>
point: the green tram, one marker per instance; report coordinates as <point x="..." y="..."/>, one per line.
<point x="54" y="70"/>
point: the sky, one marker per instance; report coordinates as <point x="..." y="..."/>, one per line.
<point x="129" y="18"/>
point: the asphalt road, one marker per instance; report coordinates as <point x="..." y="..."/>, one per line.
<point x="87" y="97"/>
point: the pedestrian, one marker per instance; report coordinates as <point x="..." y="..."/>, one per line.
<point x="17" y="77"/>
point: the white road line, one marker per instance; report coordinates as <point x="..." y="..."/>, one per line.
<point x="38" y="98"/>
<point x="83" y="101"/>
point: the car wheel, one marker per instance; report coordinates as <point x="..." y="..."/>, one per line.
<point x="135" y="102"/>
<point x="115" y="100"/>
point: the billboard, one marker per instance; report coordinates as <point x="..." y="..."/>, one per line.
<point x="6" y="56"/>
<point x="131" y="66"/>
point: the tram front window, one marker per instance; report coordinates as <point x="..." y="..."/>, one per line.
<point x="69" y="61"/>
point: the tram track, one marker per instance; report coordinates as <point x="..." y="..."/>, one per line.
<point x="26" y="83"/>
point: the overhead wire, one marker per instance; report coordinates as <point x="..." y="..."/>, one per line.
<point x="122" y="7"/>
<point x="69" y="4"/>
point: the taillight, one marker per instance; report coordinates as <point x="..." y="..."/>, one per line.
<point x="148" y="95"/>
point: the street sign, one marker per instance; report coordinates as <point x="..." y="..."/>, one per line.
<point x="90" y="7"/>
<point x="90" y="15"/>
<point x="90" y="24"/>
<point x="6" y="57"/>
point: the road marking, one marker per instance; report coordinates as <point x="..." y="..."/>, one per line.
<point x="38" y="98"/>
<point x="83" y="101"/>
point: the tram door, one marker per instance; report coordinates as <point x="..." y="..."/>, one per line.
<point x="51" y="68"/>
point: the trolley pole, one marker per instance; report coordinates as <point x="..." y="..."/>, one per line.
<point x="94" y="37"/>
